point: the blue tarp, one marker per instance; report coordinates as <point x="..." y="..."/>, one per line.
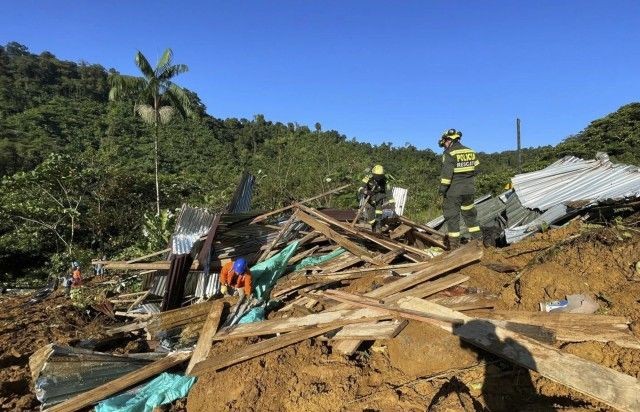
<point x="164" y="389"/>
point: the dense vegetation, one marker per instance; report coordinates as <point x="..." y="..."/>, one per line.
<point x="77" y="169"/>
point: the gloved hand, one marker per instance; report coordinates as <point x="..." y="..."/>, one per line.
<point x="224" y="289"/>
<point x="443" y="190"/>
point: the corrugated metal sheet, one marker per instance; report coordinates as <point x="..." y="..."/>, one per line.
<point x="555" y="213"/>
<point x="241" y="200"/>
<point x="400" y="196"/>
<point x="193" y="223"/>
<point x="436" y="222"/>
<point x="159" y="284"/>
<point x="576" y="180"/>
<point x="208" y="285"/>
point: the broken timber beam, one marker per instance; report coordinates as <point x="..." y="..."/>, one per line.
<point x="573" y="327"/>
<point x="323" y="228"/>
<point x="599" y="382"/>
<point x="437" y="266"/>
<point x="387" y="244"/>
<point x="427" y="229"/>
<point x="201" y="351"/>
<point x="95" y="395"/>
<point x="279" y="236"/>
<point x="274" y="326"/>
<point x="386" y="329"/>
<point x="284" y="209"/>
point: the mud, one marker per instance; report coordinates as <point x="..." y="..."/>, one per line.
<point x="423" y="368"/>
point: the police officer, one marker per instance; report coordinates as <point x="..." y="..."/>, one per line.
<point x="457" y="186"/>
<point x="380" y="205"/>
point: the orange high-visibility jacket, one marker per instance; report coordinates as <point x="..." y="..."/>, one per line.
<point x="77" y="277"/>
<point x="231" y="278"/>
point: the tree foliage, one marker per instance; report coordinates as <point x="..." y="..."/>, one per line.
<point x="82" y="167"/>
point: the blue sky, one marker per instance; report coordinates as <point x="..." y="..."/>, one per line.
<point x="380" y="71"/>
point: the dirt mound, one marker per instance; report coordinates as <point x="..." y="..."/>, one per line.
<point x="427" y="369"/>
<point x="26" y="327"/>
<point x="423" y="368"/>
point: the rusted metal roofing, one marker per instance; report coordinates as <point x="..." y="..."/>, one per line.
<point x="574" y="180"/>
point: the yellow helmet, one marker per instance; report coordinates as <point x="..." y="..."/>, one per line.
<point x="452" y="134"/>
<point x="377" y="170"/>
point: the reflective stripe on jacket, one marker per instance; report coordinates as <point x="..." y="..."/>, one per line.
<point x="458" y="168"/>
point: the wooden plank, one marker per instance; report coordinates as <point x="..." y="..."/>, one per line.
<point x="399" y="231"/>
<point x="345" y="260"/>
<point x="276" y="239"/>
<point x="402" y="268"/>
<point x="323" y="228"/>
<point x="433" y="287"/>
<point x="297" y="258"/>
<point x="387" y="244"/>
<point x="427" y="229"/>
<point x="386" y="329"/>
<point x="160" y="252"/>
<point x="133" y="315"/>
<point x="273" y="326"/>
<point x="95" y="395"/>
<point x="193" y="315"/>
<point x="361" y="301"/>
<point x="426" y="238"/>
<point x="201" y="351"/>
<point x="160" y="265"/>
<point x="139" y="300"/>
<point x="573" y="327"/>
<point x="437" y="267"/>
<point x="126" y="328"/>
<point x="391" y="255"/>
<point x="297" y="204"/>
<point x="249" y="352"/>
<point x="604" y="384"/>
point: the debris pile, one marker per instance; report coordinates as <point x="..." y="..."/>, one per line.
<point x="567" y="188"/>
<point x="342" y="317"/>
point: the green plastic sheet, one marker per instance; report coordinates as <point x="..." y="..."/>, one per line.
<point x="316" y="260"/>
<point x="265" y="274"/>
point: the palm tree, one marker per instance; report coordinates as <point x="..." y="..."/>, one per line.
<point x="157" y="98"/>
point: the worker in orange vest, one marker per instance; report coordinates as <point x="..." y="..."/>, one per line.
<point x="237" y="276"/>
<point x="76" y="276"/>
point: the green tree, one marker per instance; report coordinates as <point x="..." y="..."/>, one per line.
<point x="157" y="98"/>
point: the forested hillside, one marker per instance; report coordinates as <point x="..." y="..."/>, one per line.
<point x="78" y="176"/>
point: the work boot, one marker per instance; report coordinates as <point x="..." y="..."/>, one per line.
<point x="452" y="243"/>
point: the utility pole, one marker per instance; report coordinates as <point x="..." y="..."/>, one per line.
<point x="518" y="154"/>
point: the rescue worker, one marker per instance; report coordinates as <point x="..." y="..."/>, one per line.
<point x="457" y="186"/>
<point x="380" y="205"/>
<point x="76" y="276"/>
<point x="237" y="276"/>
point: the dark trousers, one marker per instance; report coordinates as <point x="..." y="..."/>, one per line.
<point x="453" y="206"/>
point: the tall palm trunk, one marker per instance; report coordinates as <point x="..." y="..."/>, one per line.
<point x="157" y="117"/>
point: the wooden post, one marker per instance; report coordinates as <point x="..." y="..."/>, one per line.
<point x="519" y="155"/>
